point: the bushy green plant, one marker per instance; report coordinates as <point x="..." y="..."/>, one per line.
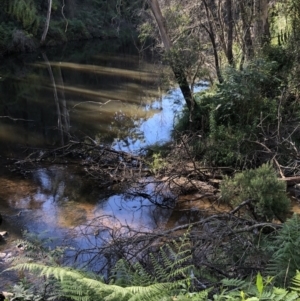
<point x="234" y="112"/>
<point x="157" y="163"/>
<point x="56" y="31"/>
<point x="6" y="30"/>
<point x="26" y="13"/>
<point x="285" y="250"/>
<point x="260" y="185"/>
<point x="262" y="289"/>
<point x="240" y="99"/>
<point x="76" y="28"/>
<point x="246" y="94"/>
<point x="23" y="293"/>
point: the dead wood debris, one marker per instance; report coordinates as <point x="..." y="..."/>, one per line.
<point x="222" y="244"/>
<point x="102" y="163"/>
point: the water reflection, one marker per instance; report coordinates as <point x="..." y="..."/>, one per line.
<point x="58" y="202"/>
<point x="45" y="98"/>
<point x="112" y="99"/>
<point x="155" y="129"/>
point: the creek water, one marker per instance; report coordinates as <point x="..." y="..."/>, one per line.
<point x="101" y="91"/>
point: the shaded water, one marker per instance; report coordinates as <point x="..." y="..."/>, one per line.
<point x="52" y="95"/>
<point x="48" y="97"/>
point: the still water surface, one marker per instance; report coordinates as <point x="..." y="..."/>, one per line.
<point x="110" y="95"/>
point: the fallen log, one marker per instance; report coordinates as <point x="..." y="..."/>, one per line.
<point x="291" y="180"/>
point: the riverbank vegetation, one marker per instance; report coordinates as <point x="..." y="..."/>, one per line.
<point x="22" y="23"/>
<point x="236" y="147"/>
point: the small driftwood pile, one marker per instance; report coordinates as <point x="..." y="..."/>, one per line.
<point x="102" y="163"/>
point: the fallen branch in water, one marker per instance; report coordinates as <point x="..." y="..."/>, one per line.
<point x="102" y="163"/>
<point x="223" y="242"/>
<point x="17" y="119"/>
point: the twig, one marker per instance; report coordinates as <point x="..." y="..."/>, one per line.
<point x="17" y="119"/>
<point x="62" y="12"/>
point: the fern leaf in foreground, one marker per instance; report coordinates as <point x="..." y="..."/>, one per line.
<point x="78" y="286"/>
<point x="296" y="282"/>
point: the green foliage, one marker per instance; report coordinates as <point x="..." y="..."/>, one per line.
<point x="296" y="282"/>
<point x="285" y="250"/>
<point x="263" y="289"/>
<point x="6" y="30"/>
<point x="157" y="163"/>
<point x="25" y="292"/>
<point x="56" y="31"/>
<point x="76" y="29"/>
<point x="85" y="19"/>
<point x="168" y="277"/>
<point x="26" y="13"/>
<point x="145" y="31"/>
<point x="235" y="112"/>
<point x="260" y="185"/>
<point x="246" y="94"/>
<point x="201" y="115"/>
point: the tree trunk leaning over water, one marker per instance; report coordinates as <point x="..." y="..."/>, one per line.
<point x="47" y="22"/>
<point x="174" y="62"/>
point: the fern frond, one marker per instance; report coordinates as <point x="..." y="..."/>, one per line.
<point x="160" y="271"/>
<point x="296" y="282"/>
<point x="141" y="277"/>
<point x="131" y="282"/>
<point x="283" y="294"/>
<point x="236" y="283"/>
<point x="122" y="273"/>
<point x="63" y="274"/>
<point x="152" y="292"/>
<point x="78" y="286"/>
<point x="280" y="293"/>
<point x="126" y="275"/>
<point x="167" y="259"/>
<point x="285" y="259"/>
<point x="291" y="296"/>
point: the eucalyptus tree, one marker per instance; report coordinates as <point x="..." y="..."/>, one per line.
<point x="174" y="60"/>
<point x="210" y="33"/>
<point x="47" y="22"/>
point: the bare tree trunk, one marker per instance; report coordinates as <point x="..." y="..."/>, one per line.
<point x="56" y="100"/>
<point x="261" y="26"/>
<point x="211" y="34"/>
<point x="63" y="102"/>
<point x="248" y="50"/>
<point x="47" y="22"/>
<point x="230" y="24"/>
<point x="174" y="62"/>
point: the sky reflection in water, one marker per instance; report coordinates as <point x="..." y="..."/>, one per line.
<point x="59" y="202"/>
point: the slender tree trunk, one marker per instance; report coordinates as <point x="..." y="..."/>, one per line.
<point x="174" y="62"/>
<point x="56" y="100"/>
<point x="63" y="102"/>
<point x="261" y="25"/>
<point x="230" y="24"/>
<point x="47" y="22"/>
<point x="212" y="37"/>
<point x="248" y="50"/>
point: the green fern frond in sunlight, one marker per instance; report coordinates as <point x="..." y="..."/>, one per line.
<point x="73" y="283"/>
<point x="168" y="274"/>
<point x="235" y="283"/>
<point x="78" y="286"/>
<point x="296" y="282"/>
<point x="126" y="275"/>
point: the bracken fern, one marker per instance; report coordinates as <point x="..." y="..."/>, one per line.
<point x="170" y="272"/>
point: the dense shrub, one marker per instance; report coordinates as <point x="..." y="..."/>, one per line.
<point x="285" y="250"/>
<point x="237" y="118"/>
<point x="261" y="185"/>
